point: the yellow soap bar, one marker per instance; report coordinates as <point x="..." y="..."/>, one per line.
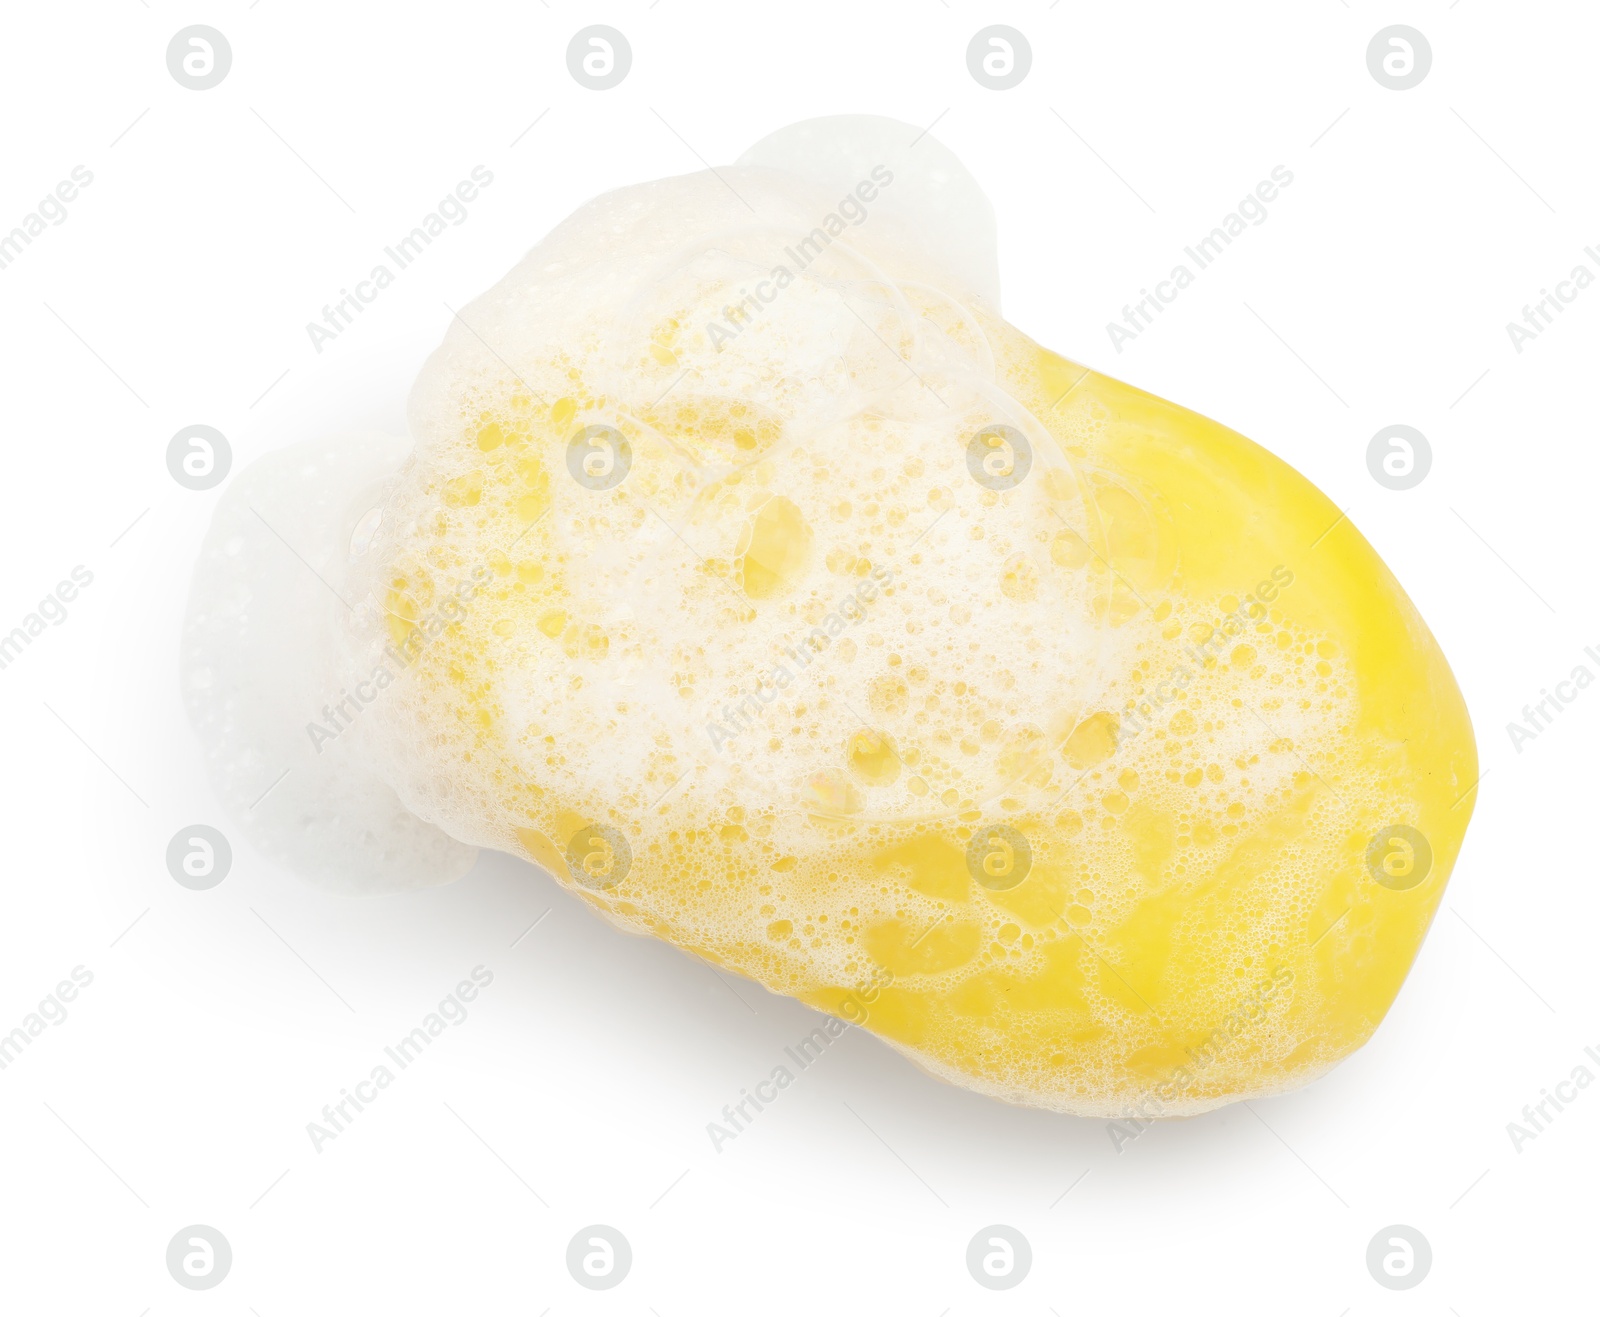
<point x="1108" y="771"/>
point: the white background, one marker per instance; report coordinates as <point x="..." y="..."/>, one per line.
<point x="219" y="1023"/>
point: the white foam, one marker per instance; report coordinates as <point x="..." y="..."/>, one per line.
<point x="934" y="223"/>
<point x="259" y="668"/>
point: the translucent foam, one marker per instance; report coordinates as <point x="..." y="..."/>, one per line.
<point x="934" y="223"/>
<point x="259" y="671"/>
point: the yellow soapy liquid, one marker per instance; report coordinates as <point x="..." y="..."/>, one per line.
<point x="1154" y="891"/>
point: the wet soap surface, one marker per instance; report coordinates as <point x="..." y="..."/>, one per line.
<point x="755" y="578"/>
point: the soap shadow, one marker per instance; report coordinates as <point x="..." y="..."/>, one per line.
<point x="672" y="1004"/>
<point x="568" y="983"/>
